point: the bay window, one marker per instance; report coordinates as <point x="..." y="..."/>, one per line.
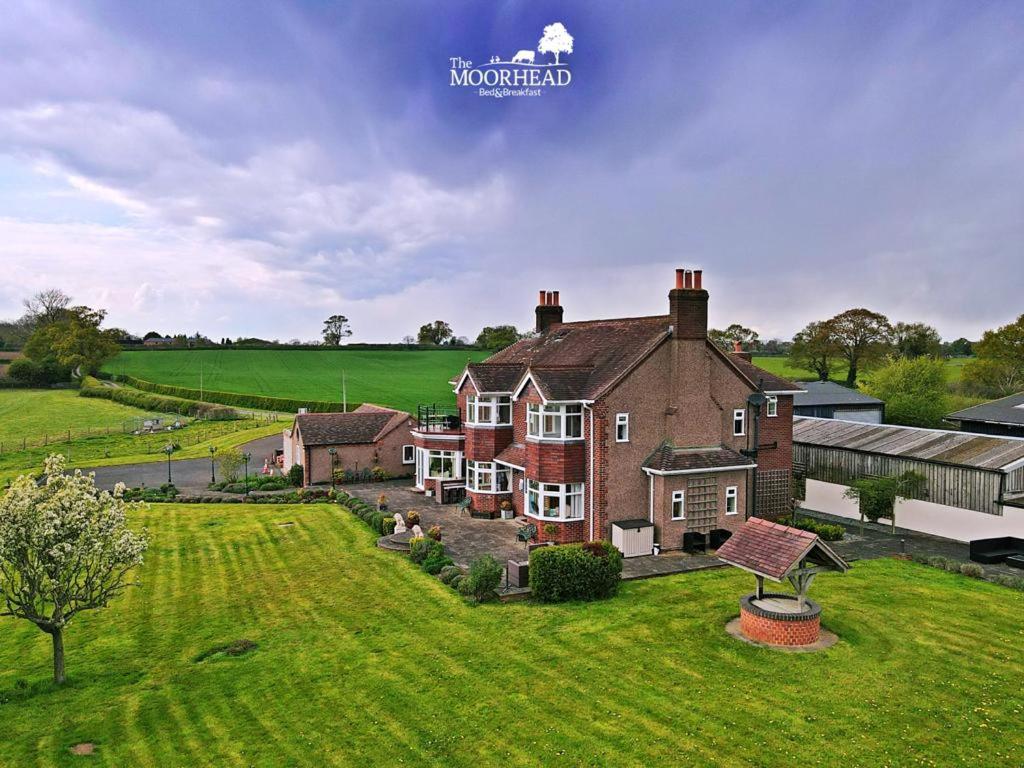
<point x="492" y="410"/>
<point x="551" y="501"/>
<point x="441" y="465"/>
<point x="488" y="477"/>
<point x="554" y="422"/>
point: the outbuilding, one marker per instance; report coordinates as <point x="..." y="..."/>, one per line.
<point x="999" y="417"/>
<point x="975" y="483"/>
<point x="368" y="437"/>
<point x="828" y="400"/>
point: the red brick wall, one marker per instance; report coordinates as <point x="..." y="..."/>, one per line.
<point x="565" y="533"/>
<point x="669" y="532"/>
<point x="556" y="462"/>
<point x="777" y="429"/>
<point x="764" y="629"/>
<point x="484" y="443"/>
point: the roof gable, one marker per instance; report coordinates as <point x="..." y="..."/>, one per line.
<point x="772" y="550"/>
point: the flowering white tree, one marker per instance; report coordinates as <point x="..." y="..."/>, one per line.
<point x="64" y="548"/>
<point x="556" y="40"/>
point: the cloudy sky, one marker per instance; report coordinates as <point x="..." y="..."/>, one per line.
<point x="248" y="168"/>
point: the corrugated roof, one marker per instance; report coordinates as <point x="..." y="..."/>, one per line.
<point x="945" y="446"/>
<point x="1007" y="410"/>
<point x="829" y="393"/>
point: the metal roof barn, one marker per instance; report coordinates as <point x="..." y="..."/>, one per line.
<point x="970" y="471"/>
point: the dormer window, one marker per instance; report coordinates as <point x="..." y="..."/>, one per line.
<point x="491" y="410"/>
<point x="554" y="422"/>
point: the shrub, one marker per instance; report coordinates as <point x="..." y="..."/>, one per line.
<point x="376" y="521"/>
<point x="33" y="373"/>
<point x="379" y="474"/>
<point x="387" y="526"/>
<point x="826" y="531"/>
<point x="570" y="572"/>
<point x="448" y="573"/>
<point x="418" y="549"/>
<point x="953" y="566"/>
<point x="295" y="474"/>
<point x="483" y="578"/>
<point x="436" y="561"/>
<point x="973" y="570"/>
<point x="413" y="518"/>
<point x="457" y="581"/>
<point x="435" y="532"/>
<point x="91" y="387"/>
<point x="1006" y="580"/>
<point x="239" y="399"/>
<point x="937" y="561"/>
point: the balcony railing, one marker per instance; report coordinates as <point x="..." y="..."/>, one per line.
<point x="438" y="418"/>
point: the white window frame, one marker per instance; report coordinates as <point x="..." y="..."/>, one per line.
<point x="569" y="498"/>
<point x="408" y="454"/>
<point x="551" y="421"/>
<point x="732" y="494"/>
<point x="485" y="411"/>
<point x="622" y="420"/>
<point x="771" y="407"/>
<point x="486" y="476"/>
<point x="739" y="417"/>
<point x="678" y="497"/>
<point x="442" y="455"/>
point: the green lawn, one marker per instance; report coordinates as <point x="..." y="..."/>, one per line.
<point x="35" y="413"/>
<point x="401" y="379"/>
<point x="364" y="660"/>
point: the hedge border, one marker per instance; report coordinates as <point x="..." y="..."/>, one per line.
<point x="237" y="399"/>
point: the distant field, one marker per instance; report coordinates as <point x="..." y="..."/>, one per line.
<point x="779" y="365"/>
<point x="389" y="377"/>
<point x="33" y="413"/>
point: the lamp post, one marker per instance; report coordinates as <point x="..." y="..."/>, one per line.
<point x="245" y="458"/>
<point x="168" y="449"/>
<point x="334" y="462"/>
<point x="213" y="477"/>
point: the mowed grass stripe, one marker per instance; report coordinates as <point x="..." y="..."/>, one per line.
<point x="365" y="660"/>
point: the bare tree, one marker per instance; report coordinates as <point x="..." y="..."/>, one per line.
<point x="47" y="306"/>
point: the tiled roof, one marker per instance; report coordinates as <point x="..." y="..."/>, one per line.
<point x="830" y="393"/>
<point x="515" y="455"/>
<point x="669" y="459"/>
<point x="773" y="550"/>
<point x="578" y="361"/>
<point x="343" y="428"/>
<point x="1007" y="410"/>
<point x="755" y="375"/>
<point x="944" y="446"/>
<point x="495" y="377"/>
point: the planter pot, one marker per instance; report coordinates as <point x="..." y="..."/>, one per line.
<point x="507" y="514"/>
<point x="518" y="573"/>
<point x="657" y="549"/>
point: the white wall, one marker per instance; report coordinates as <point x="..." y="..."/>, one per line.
<point x="923" y="516"/>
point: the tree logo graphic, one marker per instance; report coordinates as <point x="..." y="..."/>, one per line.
<point x="522" y="74"/>
<point x="556" y="40"/>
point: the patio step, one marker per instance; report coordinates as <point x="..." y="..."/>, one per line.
<point x="385" y="542"/>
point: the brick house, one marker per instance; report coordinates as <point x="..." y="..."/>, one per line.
<point x="370" y="436"/>
<point x="592" y="422"/>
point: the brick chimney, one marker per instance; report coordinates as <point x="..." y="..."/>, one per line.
<point x="737" y="350"/>
<point x="688" y="306"/>
<point x="549" y="310"/>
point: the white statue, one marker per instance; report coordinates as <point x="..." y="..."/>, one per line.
<point x="417" y="532"/>
<point x="399" y="524"/>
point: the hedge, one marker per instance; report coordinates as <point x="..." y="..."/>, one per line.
<point x="575" y="572"/>
<point x="826" y="531"/>
<point x="237" y="399"/>
<point x="91" y="387"/>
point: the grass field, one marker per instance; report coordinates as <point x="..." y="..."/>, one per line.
<point x="33" y="413"/>
<point x="401" y="379"/>
<point x="364" y="660"/>
<point x="780" y="366"/>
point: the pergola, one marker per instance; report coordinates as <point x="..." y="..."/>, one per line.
<point x="779" y="552"/>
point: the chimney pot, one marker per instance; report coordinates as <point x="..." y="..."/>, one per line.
<point x="736" y="346"/>
<point x="697" y="278"/>
<point x="688" y="283"/>
<point x="679" y="279"/>
<point x="540" y="299"/>
<point x="548" y="311"/>
<point x="554" y="299"/>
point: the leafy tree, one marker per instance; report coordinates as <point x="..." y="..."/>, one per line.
<point x="74" y="340"/>
<point x="876" y="496"/>
<point x="556" y="40"/>
<point x="32" y="373"/>
<point x="230" y="462"/>
<point x="65" y="547"/>
<point x="914" y="391"/>
<point x="999" y="368"/>
<point x="498" y="337"/>
<point x="47" y="306"/>
<point x="960" y="348"/>
<point x="815" y="349"/>
<point x="863" y="338"/>
<point x="747" y="337"/>
<point x="407" y="339"/>
<point x="916" y="340"/>
<point x="436" y="333"/>
<point x="336" y="328"/>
